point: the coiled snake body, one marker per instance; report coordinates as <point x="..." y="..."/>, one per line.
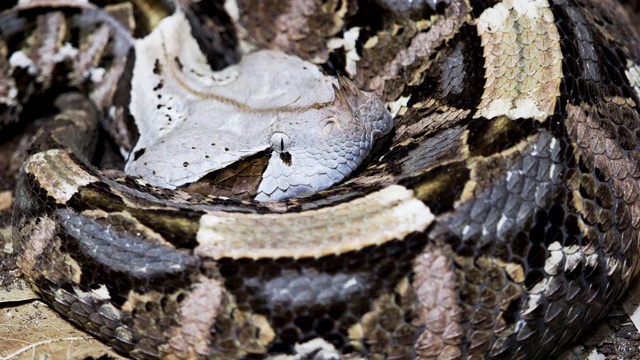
<point x="499" y="221"/>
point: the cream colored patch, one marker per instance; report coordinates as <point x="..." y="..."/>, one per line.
<point x="435" y="285"/>
<point x="532" y="304"/>
<point x="554" y="264"/>
<point x="21" y="60"/>
<point x="74" y="268"/>
<point x="523" y="61"/>
<point x="88" y="297"/>
<point x="231" y="7"/>
<point x="319" y="348"/>
<point x="266" y="332"/>
<point x="5" y="235"/>
<point x="58" y="174"/>
<point x="316" y="348"/>
<point x="6" y="200"/>
<point x="30" y="3"/>
<point x="468" y="192"/>
<point x="400" y="104"/>
<point x="348" y="42"/>
<point x="197" y="314"/>
<point x="371" y="42"/>
<point x="355" y="332"/>
<point x="37" y="235"/>
<point x="101" y="293"/>
<point x="633" y="75"/>
<point x="539" y="287"/>
<point x="134" y="299"/>
<point x="388" y="214"/>
<point x="515" y="272"/>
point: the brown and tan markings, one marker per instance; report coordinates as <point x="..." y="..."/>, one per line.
<point x="500" y="220"/>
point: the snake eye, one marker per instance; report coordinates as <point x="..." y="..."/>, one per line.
<point x="280" y="142"/>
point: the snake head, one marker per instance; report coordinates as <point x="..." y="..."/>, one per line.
<point x="307" y="159"/>
<point x="319" y="128"/>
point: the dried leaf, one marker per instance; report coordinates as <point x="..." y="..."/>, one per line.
<point x="33" y="331"/>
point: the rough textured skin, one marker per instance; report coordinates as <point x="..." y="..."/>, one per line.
<point x="500" y="221"/>
<point x="318" y="129"/>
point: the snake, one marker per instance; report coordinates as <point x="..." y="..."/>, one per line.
<point x="499" y="221"/>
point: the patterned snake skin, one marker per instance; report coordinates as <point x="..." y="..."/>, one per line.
<point x="499" y="221"/>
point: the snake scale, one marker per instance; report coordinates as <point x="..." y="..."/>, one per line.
<point x="499" y="221"/>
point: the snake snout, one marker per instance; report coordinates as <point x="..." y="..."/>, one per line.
<point x="384" y="124"/>
<point x="380" y="118"/>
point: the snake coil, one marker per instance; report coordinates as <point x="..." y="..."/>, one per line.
<point x="500" y="220"/>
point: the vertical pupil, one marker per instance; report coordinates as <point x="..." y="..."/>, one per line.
<point x="279" y="142"/>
